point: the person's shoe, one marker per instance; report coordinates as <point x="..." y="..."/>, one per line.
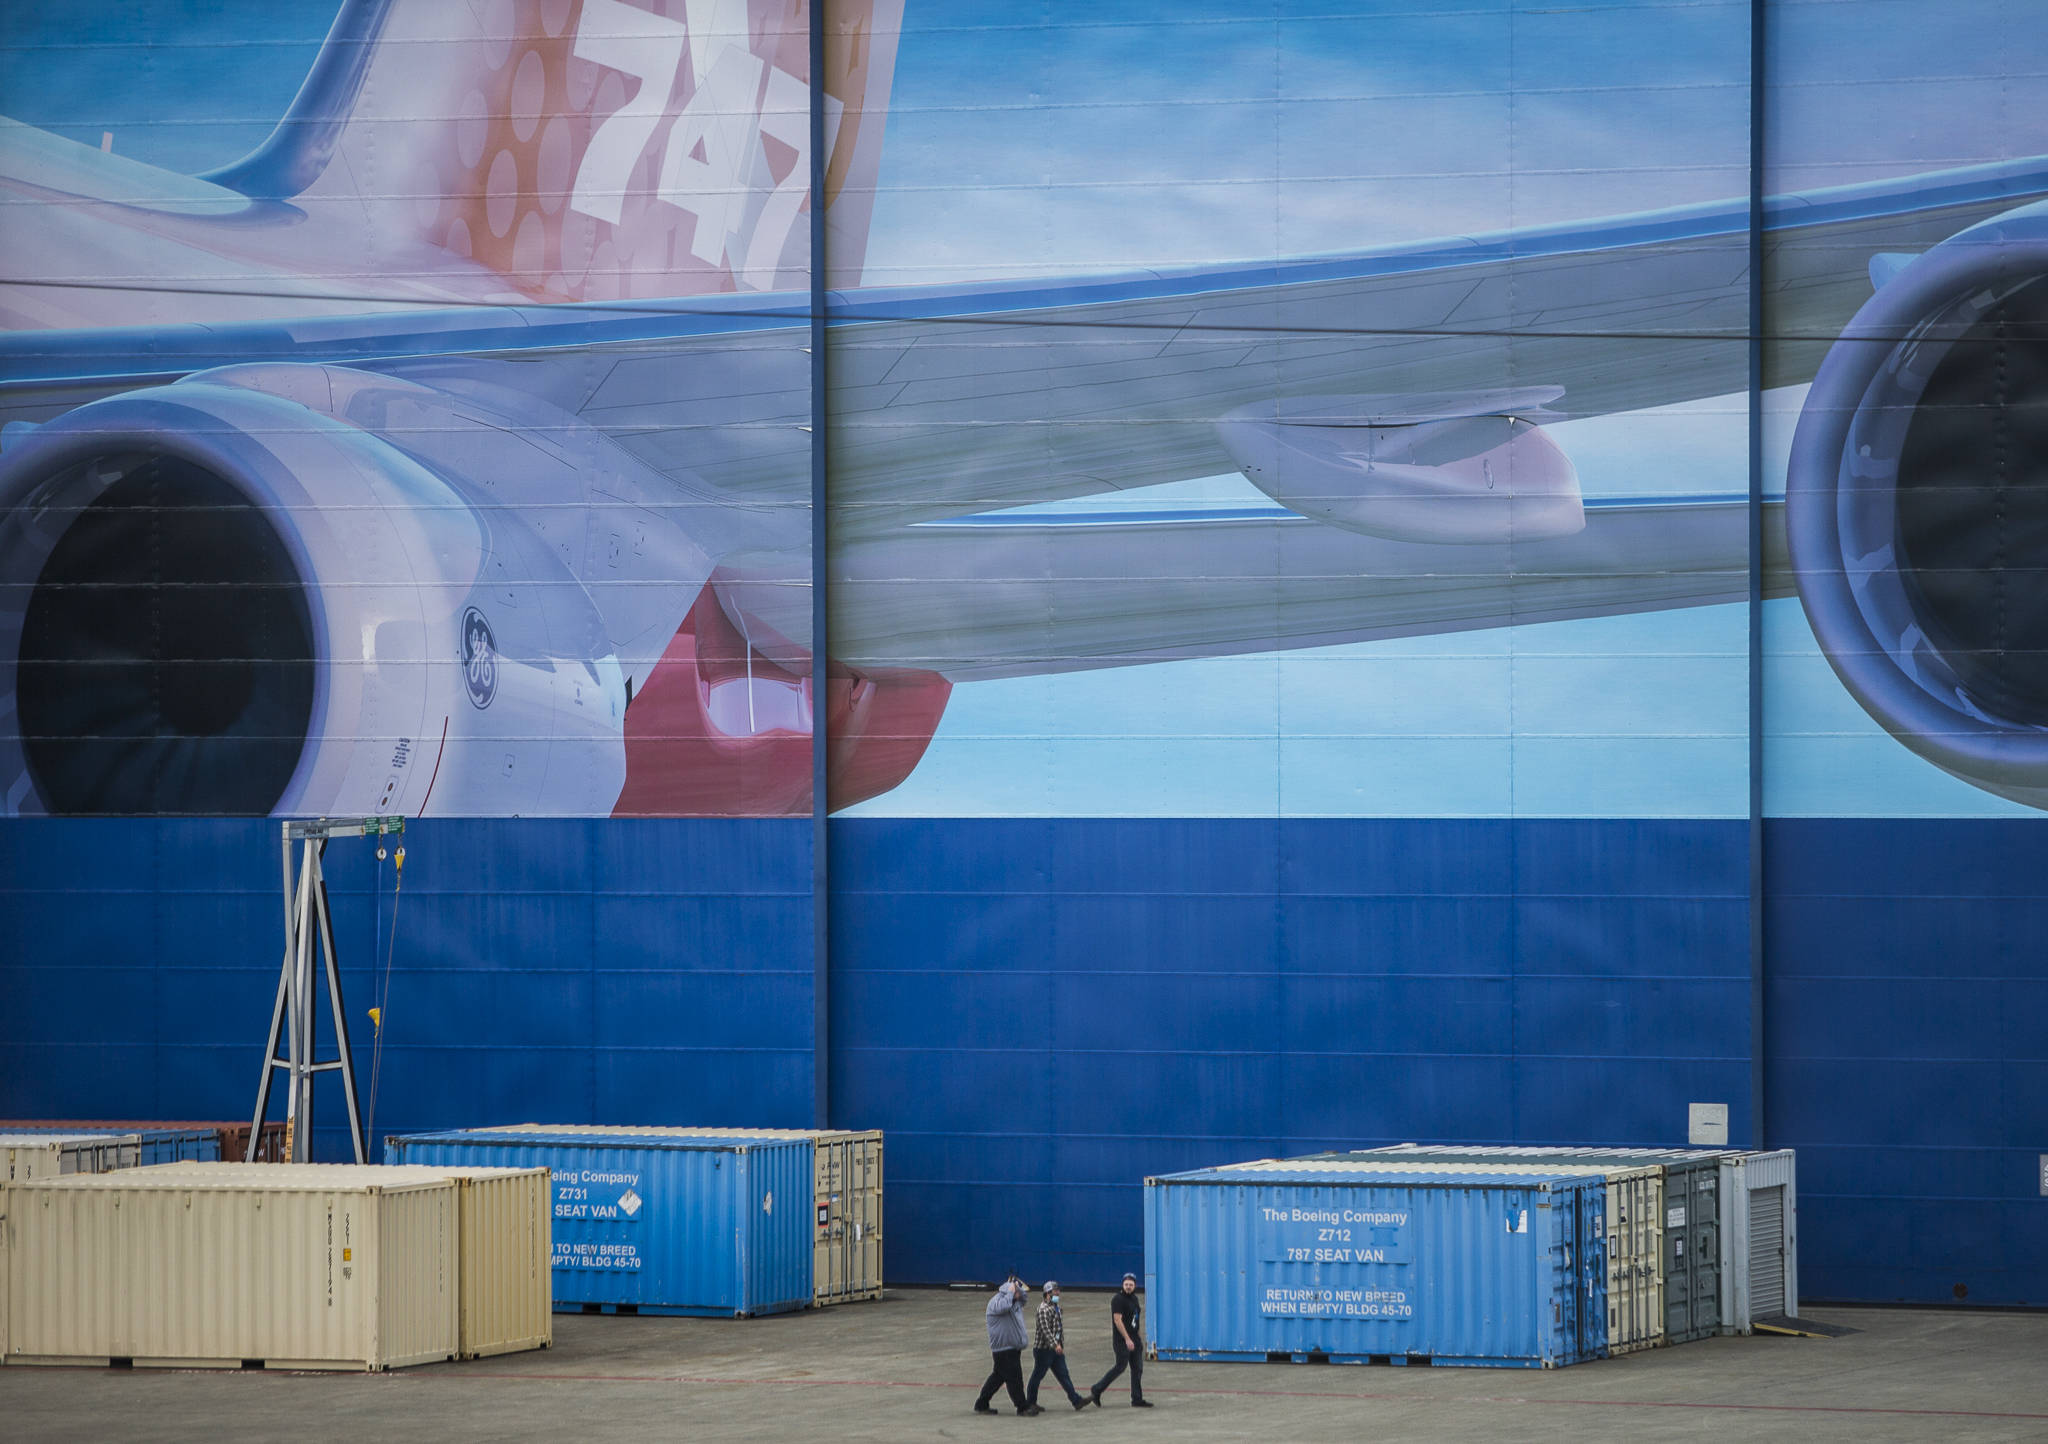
<point x="1141" y="1403"/>
<point x="1079" y="1402"/>
<point x="1028" y="1410"/>
<point x="983" y="1409"/>
<point x="1095" y="1397"/>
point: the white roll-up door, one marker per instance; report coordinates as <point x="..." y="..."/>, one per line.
<point x="1766" y="1252"/>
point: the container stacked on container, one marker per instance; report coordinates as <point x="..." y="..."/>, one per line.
<point x="846" y="1198"/>
<point x="1731" y="1249"/>
<point x="659" y="1220"/>
<point x="1339" y="1260"/>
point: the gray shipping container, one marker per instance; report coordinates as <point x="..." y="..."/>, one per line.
<point x="50" y="1155"/>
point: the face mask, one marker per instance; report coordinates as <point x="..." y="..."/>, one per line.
<point x="1052" y="1298"/>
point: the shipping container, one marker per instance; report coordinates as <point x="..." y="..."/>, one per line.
<point x="232" y="1137"/>
<point x="175" y="1266"/>
<point x="1345" y="1262"/>
<point x="1691" y="1243"/>
<point x="659" y="1225"/>
<point x="158" y="1142"/>
<point x="846" y="1198"/>
<point x="1746" y="1281"/>
<point x="50" y="1155"/>
<point x="1760" y="1259"/>
<point x="1635" y="1233"/>
<point x="504" y="1269"/>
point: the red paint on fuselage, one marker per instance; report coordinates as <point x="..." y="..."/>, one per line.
<point x="719" y="730"/>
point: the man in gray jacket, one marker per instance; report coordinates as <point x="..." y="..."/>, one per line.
<point x="1006" y="1346"/>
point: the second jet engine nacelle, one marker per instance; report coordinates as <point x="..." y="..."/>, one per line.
<point x="1463" y="469"/>
<point x="1916" y="505"/>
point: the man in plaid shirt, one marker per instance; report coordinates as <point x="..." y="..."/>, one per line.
<point x="1049" y="1348"/>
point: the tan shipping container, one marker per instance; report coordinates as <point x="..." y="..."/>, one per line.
<point x="846" y="1197"/>
<point x="505" y="1240"/>
<point x="165" y="1266"/>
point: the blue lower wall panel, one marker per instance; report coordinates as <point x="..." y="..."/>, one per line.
<point x="568" y="971"/>
<point x="1906" y="1054"/>
<point x="1042" y="1013"/>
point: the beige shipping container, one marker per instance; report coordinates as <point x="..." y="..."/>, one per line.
<point x="165" y="1266"/>
<point x="505" y="1277"/>
<point x="49" y="1155"/>
<point x="846" y="1263"/>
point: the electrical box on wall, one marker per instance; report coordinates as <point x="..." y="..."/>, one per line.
<point x="1706" y="1124"/>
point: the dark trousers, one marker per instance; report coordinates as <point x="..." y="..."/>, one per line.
<point x="1125" y="1357"/>
<point x="1008" y="1373"/>
<point x="1053" y="1361"/>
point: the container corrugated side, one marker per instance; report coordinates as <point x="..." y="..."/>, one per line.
<point x="159" y="1142"/>
<point x="1691" y="1274"/>
<point x="50" y="1155"/>
<point x="1635" y="1226"/>
<point x="1363" y="1266"/>
<point x="163" y="1266"/>
<point x="505" y="1273"/>
<point x="658" y="1225"/>
<point x="847" y="1195"/>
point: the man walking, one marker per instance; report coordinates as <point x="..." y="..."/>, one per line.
<point x="1124" y="1315"/>
<point x="1049" y="1349"/>
<point x="1006" y="1346"/>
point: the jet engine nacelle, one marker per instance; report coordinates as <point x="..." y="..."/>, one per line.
<point x="1463" y="468"/>
<point x="220" y="600"/>
<point x="1916" y="505"/>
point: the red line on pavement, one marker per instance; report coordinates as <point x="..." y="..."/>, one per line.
<point x="712" y="1379"/>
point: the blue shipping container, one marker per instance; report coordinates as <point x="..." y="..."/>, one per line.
<point x="158" y="1145"/>
<point x="717" y="1226"/>
<point x="1285" y="1261"/>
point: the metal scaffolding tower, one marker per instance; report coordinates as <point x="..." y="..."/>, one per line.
<point x="306" y="916"/>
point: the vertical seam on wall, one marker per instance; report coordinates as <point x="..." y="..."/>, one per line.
<point x="821" y="997"/>
<point x="1757" y="1029"/>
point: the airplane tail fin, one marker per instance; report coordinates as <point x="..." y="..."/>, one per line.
<point x="600" y="150"/>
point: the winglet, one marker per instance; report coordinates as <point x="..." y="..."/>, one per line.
<point x="294" y="154"/>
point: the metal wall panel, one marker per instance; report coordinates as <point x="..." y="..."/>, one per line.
<point x="349" y="1270"/>
<point x="1362" y="1266"/>
<point x="658" y="1225"/>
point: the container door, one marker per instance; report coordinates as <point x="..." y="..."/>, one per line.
<point x="1706" y="1249"/>
<point x="1592" y="1270"/>
<point x="1680" y="1255"/>
<point x="1766" y="1252"/>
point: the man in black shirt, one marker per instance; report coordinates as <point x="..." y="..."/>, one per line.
<point x="1124" y="1314"/>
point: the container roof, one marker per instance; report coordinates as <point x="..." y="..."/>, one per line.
<point x="521" y="1136"/>
<point x="1339" y="1173"/>
<point x="58" y="1140"/>
<point x="660" y="1130"/>
<point x="256" y="1177"/>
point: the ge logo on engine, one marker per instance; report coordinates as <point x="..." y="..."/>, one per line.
<point x="479" y="658"/>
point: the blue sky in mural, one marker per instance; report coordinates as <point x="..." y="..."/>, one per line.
<point x="1178" y="133"/>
